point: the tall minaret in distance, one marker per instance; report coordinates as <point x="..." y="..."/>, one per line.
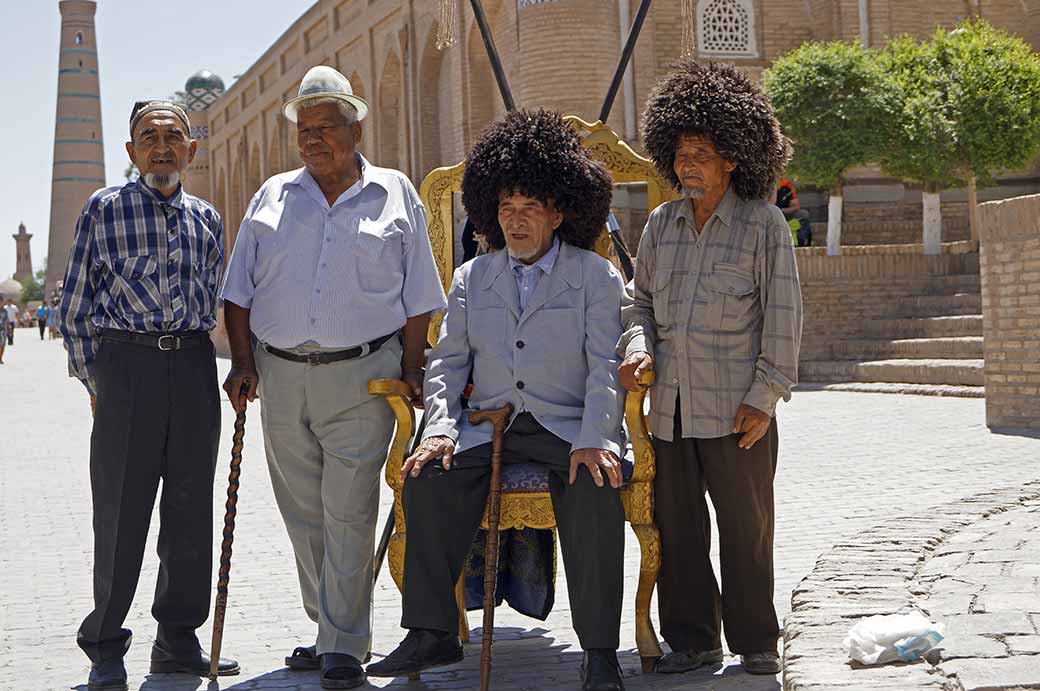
<point x="79" y="156"/>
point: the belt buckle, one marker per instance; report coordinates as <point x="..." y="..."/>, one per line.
<point x="176" y="343"/>
<point x="314" y="359"/>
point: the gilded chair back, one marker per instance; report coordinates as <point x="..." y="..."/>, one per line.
<point x="605" y="146"/>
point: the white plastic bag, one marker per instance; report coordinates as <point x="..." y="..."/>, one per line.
<point x="881" y="639"/>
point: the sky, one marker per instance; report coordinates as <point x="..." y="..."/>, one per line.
<point x="145" y="50"/>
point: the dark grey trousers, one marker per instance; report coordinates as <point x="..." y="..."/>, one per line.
<point x="740" y="483"/>
<point x="158" y="417"/>
<point x="443" y="511"/>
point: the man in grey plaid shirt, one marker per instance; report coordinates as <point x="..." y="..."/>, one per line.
<point x="715" y="308"/>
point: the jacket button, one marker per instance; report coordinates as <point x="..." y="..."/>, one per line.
<point x="519" y="344"/>
<point x="520" y="385"/>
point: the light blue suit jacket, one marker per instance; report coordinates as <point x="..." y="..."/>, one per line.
<point x="557" y="360"/>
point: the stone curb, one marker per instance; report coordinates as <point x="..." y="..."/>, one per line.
<point x="875" y="572"/>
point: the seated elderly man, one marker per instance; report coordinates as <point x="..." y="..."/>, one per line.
<point x="533" y="324"/>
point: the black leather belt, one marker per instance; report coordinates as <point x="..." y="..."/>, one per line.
<point x="328" y="357"/>
<point x="163" y="341"/>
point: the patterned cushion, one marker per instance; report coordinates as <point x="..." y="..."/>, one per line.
<point x="522" y="478"/>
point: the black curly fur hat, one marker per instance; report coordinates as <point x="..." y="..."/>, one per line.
<point x="538" y="155"/>
<point x="723" y="104"/>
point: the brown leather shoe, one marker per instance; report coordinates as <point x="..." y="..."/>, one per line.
<point x="761" y="663"/>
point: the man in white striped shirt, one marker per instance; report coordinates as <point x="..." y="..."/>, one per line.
<point x="332" y="262"/>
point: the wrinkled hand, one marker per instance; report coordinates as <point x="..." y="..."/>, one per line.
<point x="236" y="378"/>
<point x="752" y="423"/>
<point x="597" y="461"/>
<point x="93" y="405"/>
<point x="632" y="368"/>
<point x="429" y="449"/>
<point x="413" y="377"/>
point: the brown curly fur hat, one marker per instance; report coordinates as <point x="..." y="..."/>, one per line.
<point x="538" y="155"/>
<point x="721" y="103"/>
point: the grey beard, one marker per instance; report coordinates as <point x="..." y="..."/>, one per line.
<point x="693" y="193"/>
<point x="162" y="182"/>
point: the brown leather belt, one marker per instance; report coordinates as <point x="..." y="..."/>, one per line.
<point x="179" y="340"/>
<point x="328" y="357"/>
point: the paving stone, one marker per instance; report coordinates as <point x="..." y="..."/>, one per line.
<point x="1028" y="602"/>
<point x="959" y="645"/>
<point x="996" y="623"/>
<point x="994" y="674"/>
<point x="1024" y="644"/>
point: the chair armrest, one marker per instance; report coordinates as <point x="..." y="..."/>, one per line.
<point x="396" y="393"/>
<point x="639" y="431"/>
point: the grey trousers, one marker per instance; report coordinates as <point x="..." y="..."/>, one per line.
<point x="326" y="439"/>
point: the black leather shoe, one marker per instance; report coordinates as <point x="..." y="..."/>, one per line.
<point x="341" y="671"/>
<point x="197" y="663"/>
<point x="420" y="650"/>
<point x="107" y="675"/>
<point x="600" y="671"/>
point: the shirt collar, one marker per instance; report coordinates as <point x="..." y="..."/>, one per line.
<point x="369" y="174"/>
<point x="545" y="262"/>
<point x="724" y="211"/>
<point x="176" y="200"/>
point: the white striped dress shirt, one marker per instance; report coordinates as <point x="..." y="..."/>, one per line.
<point x="335" y="276"/>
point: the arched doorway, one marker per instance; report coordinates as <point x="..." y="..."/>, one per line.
<point x="391" y="101"/>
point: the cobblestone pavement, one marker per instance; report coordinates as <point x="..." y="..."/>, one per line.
<point x="847" y="462"/>
<point x="973" y="564"/>
<point x="984" y="583"/>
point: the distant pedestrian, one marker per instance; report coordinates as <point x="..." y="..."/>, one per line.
<point x="3" y="330"/>
<point x="12" y="320"/>
<point x="139" y="299"/>
<point x="52" y="320"/>
<point x="42" y="314"/>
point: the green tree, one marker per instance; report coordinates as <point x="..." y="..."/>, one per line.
<point x="830" y="98"/>
<point x="969" y="108"/>
<point x="32" y="289"/>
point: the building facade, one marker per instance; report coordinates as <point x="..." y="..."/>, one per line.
<point x="429" y="105"/>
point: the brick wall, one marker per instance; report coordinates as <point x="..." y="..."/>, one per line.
<point x="844" y="296"/>
<point x="1010" y="261"/>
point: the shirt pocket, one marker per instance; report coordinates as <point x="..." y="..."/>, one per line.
<point x="661" y="295"/>
<point x="378" y="253"/>
<point x="731" y="288"/>
<point x="137" y="279"/>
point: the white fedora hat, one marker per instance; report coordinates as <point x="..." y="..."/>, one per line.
<point x="324" y="82"/>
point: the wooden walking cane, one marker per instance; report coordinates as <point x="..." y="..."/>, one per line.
<point x="230" y="511"/>
<point x="499" y="418"/>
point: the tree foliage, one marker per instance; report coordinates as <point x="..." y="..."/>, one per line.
<point x="969" y="104"/>
<point x="831" y="99"/>
<point x="32" y="289"/>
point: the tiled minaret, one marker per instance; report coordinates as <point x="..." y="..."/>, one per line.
<point x="79" y="160"/>
<point x="201" y="91"/>
<point x="23" y="267"/>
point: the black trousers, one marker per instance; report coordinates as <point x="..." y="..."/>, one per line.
<point x="740" y="483"/>
<point x="43" y="328"/>
<point x="443" y="511"/>
<point x="158" y="417"/>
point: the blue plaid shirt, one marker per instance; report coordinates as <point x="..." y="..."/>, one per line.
<point x="139" y="263"/>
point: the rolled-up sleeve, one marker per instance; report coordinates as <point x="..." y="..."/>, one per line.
<point x="422" y="291"/>
<point x="776" y="370"/>
<point x="239" y="286"/>
<point x="637" y="306"/>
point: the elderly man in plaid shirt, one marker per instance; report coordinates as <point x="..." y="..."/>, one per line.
<point x="137" y="305"/>
<point x="715" y="308"/>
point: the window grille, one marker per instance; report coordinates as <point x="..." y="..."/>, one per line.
<point x="726" y="28"/>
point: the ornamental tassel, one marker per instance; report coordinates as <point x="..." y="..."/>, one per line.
<point x="689" y="29"/>
<point x="447" y="25"/>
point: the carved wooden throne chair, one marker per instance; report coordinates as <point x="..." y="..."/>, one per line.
<point x="526" y="503"/>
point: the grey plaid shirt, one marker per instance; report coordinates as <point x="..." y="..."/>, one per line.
<point x="721" y="313"/>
